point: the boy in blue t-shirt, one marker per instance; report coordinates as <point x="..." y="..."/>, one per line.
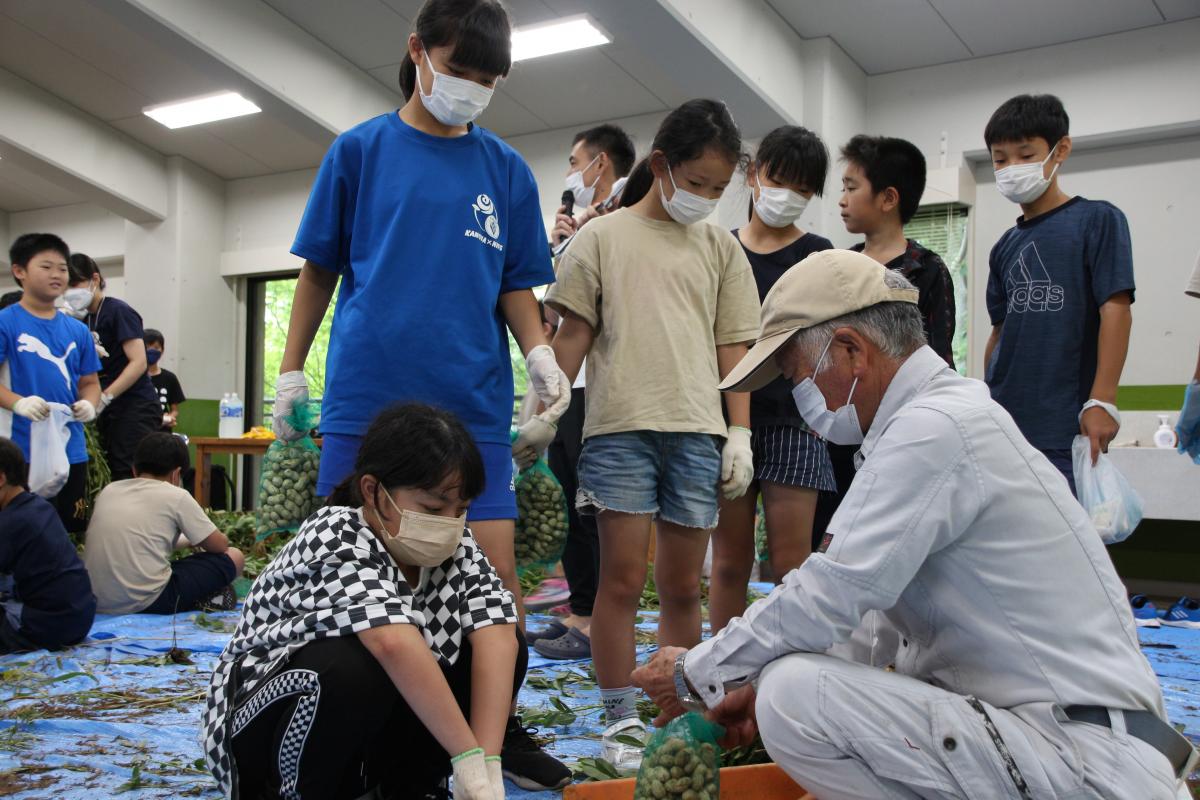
<point x="47" y="357"/>
<point x="46" y="597"/>
<point x="1059" y="290"/>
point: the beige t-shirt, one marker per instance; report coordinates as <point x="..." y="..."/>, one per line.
<point x="131" y="537"/>
<point x="1193" y="287"/>
<point x="661" y="297"/>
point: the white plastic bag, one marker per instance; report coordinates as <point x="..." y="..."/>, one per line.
<point x="48" y="464"/>
<point x="1113" y="505"/>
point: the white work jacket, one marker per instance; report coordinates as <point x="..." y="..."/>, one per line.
<point x="971" y="544"/>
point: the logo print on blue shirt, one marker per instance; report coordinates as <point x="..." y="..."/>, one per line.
<point x="1029" y="285"/>
<point x="28" y="343"/>
<point x="489" y="224"/>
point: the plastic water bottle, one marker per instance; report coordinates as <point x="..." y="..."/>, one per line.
<point x="233" y="414"/>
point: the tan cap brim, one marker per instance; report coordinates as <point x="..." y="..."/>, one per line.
<point x="757" y="368"/>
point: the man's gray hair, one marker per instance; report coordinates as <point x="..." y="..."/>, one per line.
<point x="894" y="327"/>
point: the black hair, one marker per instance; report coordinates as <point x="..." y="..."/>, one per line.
<point x="28" y="245"/>
<point x="153" y="336"/>
<point x="414" y="446"/>
<point x="688" y="131"/>
<point x="81" y="268"/>
<point x="159" y="453"/>
<point x="10" y="298"/>
<point x="612" y="140"/>
<point x="478" y="29"/>
<point x="887" y="161"/>
<point x="12" y="463"/>
<point x="1028" y="116"/>
<point x="791" y="154"/>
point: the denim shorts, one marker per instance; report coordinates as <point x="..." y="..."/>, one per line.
<point x="673" y="476"/>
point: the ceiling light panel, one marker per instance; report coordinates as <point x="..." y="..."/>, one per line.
<point x="559" y="36"/>
<point x="199" y="110"/>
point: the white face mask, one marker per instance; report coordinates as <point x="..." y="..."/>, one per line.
<point x="574" y="184"/>
<point x="778" y="207"/>
<point x="423" y="540"/>
<point x="1024" y="183"/>
<point x="684" y="207"/>
<point x="453" y="101"/>
<point x="77" y="301"/>
<point x="839" y="427"/>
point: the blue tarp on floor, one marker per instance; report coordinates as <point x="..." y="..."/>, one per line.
<point x="80" y="724"/>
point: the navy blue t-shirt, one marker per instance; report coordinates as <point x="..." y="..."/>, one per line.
<point x="1048" y="278"/>
<point x="116" y="323"/>
<point x="44" y="357"/>
<point x="44" y="589"/>
<point x="427" y="232"/>
<point x="773" y="404"/>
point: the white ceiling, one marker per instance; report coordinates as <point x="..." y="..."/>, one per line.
<point x="21" y="190"/>
<point x="890" y="35"/>
<point x="97" y="60"/>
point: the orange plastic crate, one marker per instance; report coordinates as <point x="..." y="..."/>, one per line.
<point x="759" y="781"/>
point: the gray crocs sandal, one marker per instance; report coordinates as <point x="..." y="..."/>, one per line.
<point x="554" y="629"/>
<point x="573" y="644"/>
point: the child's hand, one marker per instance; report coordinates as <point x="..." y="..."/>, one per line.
<point x="737" y="463"/>
<point x="32" y="408"/>
<point x="1100" y="428"/>
<point x="532" y="440"/>
<point x="84" y="411"/>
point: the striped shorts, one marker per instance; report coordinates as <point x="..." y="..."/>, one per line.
<point x="791" y="457"/>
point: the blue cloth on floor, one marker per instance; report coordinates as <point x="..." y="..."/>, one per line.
<point x="88" y="751"/>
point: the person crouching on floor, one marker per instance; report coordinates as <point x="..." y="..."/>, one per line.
<point x="46" y="599"/>
<point x="138" y="523"/>
<point x="378" y="652"/>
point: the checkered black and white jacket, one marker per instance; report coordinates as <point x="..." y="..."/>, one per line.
<point x="335" y="578"/>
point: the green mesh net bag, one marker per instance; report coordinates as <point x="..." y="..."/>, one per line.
<point x="682" y="761"/>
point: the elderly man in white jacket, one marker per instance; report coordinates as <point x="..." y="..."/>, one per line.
<point x="1017" y="672"/>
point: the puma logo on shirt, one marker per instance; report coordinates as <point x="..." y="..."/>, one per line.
<point x="28" y="343"/>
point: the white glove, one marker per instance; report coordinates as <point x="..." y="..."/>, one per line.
<point x="549" y="382"/>
<point x="84" y="411"/>
<point x="290" y="388"/>
<point x="32" y="408"/>
<point x="100" y="351"/>
<point x="105" y="401"/>
<point x="496" y="776"/>
<point x="532" y="440"/>
<point x="471" y="780"/>
<point x="737" y="463"/>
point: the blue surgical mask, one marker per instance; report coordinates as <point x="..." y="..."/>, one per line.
<point x="839" y="427"/>
<point x="152" y="356"/>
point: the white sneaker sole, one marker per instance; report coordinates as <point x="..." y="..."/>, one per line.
<point x="1183" y="623"/>
<point x="1148" y="623"/>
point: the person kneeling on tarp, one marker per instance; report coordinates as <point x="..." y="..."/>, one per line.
<point x="378" y="652"/>
<point x="962" y="546"/>
<point x="45" y="596"/>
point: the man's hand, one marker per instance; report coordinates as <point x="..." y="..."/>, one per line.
<point x="1100" y="428"/>
<point x="564" y="228"/>
<point x="657" y="679"/>
<point x="736" y="714"/>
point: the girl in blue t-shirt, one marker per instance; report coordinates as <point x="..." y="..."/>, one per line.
<point x="791" y="464"/>
<point x="434" y="227"/>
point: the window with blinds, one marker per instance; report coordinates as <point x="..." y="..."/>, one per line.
<point x="943" y="229"/>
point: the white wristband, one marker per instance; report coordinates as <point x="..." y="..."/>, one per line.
<point x="1109" y="407"/>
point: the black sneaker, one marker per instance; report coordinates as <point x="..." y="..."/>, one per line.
<point x="525" y="763"/>
<point x="224" y="600"/>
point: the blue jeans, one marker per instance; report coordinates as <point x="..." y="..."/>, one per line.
<point x="673" y="476"/>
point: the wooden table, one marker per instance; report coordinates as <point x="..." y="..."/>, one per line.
<point x="207" y="446"/>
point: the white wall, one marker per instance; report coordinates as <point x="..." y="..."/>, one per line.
<point x="1131" y="85"/>
<point x="85" y="228"/>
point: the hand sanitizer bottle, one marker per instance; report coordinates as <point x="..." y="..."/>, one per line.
<point x="1164" y="437"/>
